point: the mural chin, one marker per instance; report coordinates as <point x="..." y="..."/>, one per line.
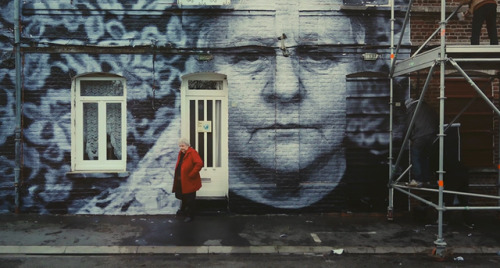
<point x="286" y="150"/>
<point x="288" y="190"/>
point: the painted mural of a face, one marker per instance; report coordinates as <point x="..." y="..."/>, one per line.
<point x="287" y="105"/>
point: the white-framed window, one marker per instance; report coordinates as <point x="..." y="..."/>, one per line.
<point x="98" y="129"/>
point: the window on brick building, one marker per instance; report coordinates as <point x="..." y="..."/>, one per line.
<point x="476" y="121"/>
<point x="98" y="138"/>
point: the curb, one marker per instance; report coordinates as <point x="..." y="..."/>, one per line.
<point x="113" y="250"/>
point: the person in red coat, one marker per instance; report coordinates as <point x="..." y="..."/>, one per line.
<point x="187" y="178"/>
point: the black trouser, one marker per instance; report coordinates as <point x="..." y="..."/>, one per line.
<point x="487" y="13"/>
<point x="188" y="204"/>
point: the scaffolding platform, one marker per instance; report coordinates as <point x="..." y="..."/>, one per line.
<point x="469" y="57"/>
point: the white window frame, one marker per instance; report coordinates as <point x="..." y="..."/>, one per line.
<point x="102" y="165"/>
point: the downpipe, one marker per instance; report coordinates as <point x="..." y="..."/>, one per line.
<point x="18" y="130"/>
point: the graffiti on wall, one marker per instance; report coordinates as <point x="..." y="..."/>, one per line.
<point x="292" y="122"/>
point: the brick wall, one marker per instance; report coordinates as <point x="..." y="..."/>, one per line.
<point x="425" y="19"/>
<point x="152" y="44"/>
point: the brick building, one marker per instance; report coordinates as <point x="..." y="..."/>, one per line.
<point x="286" y="101"/>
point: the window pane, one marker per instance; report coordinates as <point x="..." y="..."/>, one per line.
<point x="210" y="144"/>
<point x="201" y="135"/>
<point x="192" y="121"/>
<point x="90" y="131"/>
<point x="114" y="131"/>
<point x="204" y="85"/>
<point x="201" y="146"/>
<point x="218" y="130"/>
<point x="101" y="88"/>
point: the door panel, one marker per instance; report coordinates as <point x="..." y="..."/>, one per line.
<point x="204" y="122"/>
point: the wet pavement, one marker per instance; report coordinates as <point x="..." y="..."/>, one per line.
<point x="335" y="233"/>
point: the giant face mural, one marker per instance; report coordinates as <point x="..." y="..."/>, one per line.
<point x="287" y="91"/>
<point x="289" y="114"/>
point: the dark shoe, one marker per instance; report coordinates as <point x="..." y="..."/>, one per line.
<point x="179" y="213"/>
<point x="188" y="219"/>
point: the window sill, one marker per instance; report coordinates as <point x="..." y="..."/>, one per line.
<point x="98" y="174"/>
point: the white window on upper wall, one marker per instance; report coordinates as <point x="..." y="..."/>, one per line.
<point x="98" y="129"/>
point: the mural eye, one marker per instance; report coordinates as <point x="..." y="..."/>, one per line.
<point x="246" y="58"/>
<point x="249" y="63"/>
<point x="318" y="61"/>
<point x="315" y="56"/>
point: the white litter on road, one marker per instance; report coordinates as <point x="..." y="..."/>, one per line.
<point x="315" y="238"/>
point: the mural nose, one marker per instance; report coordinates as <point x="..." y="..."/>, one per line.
<point x="287" y="82"/>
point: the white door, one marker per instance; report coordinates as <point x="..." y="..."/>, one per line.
<point x="204" y="123"/>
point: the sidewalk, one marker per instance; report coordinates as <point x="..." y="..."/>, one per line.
<point x="228" y="233"/>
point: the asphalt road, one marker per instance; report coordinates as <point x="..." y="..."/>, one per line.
<point x="250" y="260"/>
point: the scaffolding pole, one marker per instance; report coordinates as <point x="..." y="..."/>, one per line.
<point x="440" y="243"/>
<point x="390" y="206"/>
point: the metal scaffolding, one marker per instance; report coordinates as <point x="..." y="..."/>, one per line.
<point x="460" y="58"/>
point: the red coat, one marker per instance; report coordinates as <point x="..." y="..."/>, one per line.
<point x="190" y="171"/>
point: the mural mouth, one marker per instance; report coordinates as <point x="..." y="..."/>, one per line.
<point x="285" y="127"/>
<point x="284" y="132"/>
